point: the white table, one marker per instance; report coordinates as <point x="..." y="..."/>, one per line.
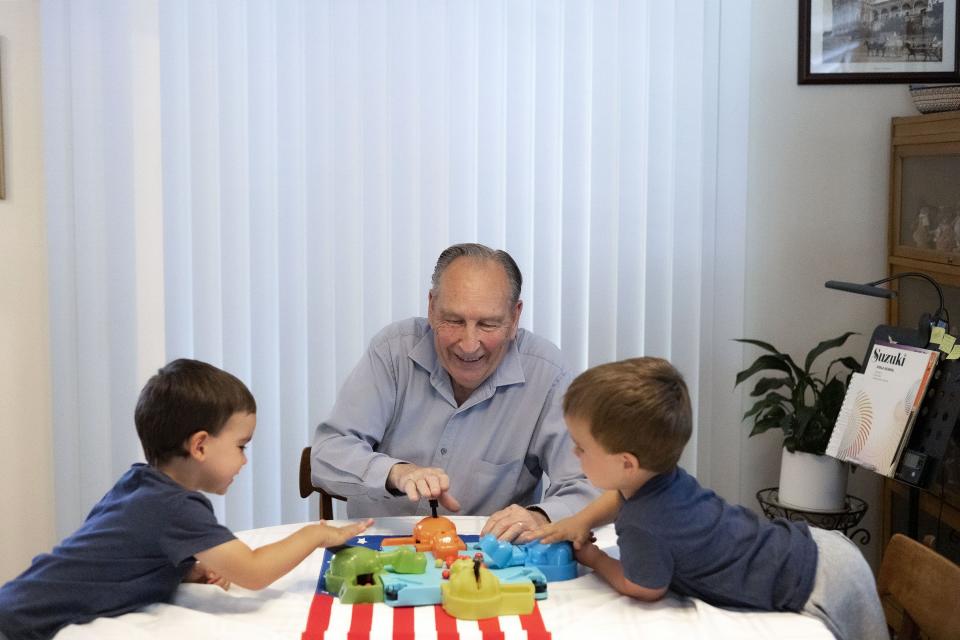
<point x="581" y="608"/>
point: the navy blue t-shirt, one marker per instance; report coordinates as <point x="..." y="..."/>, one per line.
<point x="675" y="533"/>
<point x="134" y="548"/>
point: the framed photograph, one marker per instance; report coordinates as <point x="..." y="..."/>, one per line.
<point x="878" y="41"/>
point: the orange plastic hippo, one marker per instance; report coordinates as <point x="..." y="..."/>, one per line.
<point x="435" y="534"/>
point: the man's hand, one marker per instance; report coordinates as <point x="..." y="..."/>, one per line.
<point x="507" y="524"/>
<point x="575" y="529"/>
<point x="422" y="482"/>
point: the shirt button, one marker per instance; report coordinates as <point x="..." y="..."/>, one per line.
<point x="443" y="452"/>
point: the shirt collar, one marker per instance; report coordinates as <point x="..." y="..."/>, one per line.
<point x="510" y="370"/>
<point x="657" y="483"/>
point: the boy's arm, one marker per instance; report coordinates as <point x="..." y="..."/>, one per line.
<point x="254" y="569"/>
<point x="577" y="527"/>
<point x="611" y="570"/>
<point x="201" y="574"/>
<point x="603" y="510"/>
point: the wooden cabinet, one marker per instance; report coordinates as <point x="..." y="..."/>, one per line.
<point x="925" y="237"/>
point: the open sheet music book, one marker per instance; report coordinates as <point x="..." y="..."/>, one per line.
<point x="881" y="405"/>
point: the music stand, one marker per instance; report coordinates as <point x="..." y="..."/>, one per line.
<point x="939" y="409"/>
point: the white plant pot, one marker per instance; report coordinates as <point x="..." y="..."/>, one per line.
<point x="811" y="482"/>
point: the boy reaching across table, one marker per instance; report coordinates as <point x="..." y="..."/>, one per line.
<point x="154" y="529"/>
<point x="629" y="422"/>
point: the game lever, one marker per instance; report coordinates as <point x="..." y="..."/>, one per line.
<point x="435" y="534"/>
<point x="499" y="579"/>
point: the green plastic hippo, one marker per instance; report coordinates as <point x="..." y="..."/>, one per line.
<point x="354" y="573"/>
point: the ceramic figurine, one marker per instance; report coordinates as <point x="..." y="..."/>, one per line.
<point x="943" y="237"/>
<point x="921" y="229"/>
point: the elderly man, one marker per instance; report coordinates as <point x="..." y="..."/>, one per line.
<point x="462" y="406"/>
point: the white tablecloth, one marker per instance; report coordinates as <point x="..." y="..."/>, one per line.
<point x="581" y="608"/>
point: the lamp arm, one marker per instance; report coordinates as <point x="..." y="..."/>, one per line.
<point x="871" y="289"/>
<point x="941" y="310"/>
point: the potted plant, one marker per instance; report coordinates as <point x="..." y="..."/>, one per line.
<point x="804" y="406"/>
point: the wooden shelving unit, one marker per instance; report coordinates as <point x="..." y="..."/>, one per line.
<point x="925" y="237"/>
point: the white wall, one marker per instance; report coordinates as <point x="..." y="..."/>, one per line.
<point x="816" y="210"/>
<point x="26" y="501"/>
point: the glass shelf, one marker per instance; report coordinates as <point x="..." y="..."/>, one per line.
<point x="929" y="208"/>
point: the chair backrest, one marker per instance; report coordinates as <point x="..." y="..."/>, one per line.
<point x="920" y="590"/>
<point x="307" y="488"/>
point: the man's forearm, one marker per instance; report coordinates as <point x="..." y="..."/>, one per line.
<point x="346" y="466"/>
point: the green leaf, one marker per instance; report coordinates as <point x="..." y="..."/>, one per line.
<point x="790" y="444"/>
<point x="763" y="425"/>
<point x="850" y="363"/>
<point x="831" y="399"/>
<point x="815" y="437"/>
<point x="804" y="416"/>
<point x="759" y="343"/>
<point x="771" y="400"/>
<point x="799" y="396"/>
<point x="766" y="384"/>
<point x="787" y="423"/>
<point x="776" y="362"/>
<point x="826" y="345"/>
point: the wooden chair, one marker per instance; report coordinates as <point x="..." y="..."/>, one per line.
<point x="920" y="591"/>
<point x="306" y="487"/>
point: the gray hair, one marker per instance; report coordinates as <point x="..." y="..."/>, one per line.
<point x="480" y="252"/>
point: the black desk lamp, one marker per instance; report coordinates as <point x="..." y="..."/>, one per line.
<point x="922" y="337"/>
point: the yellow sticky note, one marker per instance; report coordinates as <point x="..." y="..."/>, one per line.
<point x="954" y="353"/>
<point x="947" y="342"/>
<point x="936" y="335"/>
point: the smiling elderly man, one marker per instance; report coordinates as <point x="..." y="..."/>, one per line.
<point x="462" y="406"/>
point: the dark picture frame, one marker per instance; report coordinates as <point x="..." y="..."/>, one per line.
<point x="878" y="41"/>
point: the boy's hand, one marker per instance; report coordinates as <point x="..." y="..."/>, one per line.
<point x="214" y="578"/>
<point x="333" y="536"/>
<point x="573" y="529"/>
<point x="202" y="575"/>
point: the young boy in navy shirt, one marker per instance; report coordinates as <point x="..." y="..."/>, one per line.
<point x="154" y="529"/>
<point x="629" y="422"/>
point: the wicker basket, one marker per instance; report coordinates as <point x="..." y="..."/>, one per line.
<point x="929" y="98"/>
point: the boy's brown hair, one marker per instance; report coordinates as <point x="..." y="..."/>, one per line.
<point x="184" y="397"/>
<point x="639" y="406"/>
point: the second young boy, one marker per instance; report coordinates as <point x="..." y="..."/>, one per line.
<point x="630" y="421"/>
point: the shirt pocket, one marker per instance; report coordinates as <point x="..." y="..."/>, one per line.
<point x="494" y="470"/>
<point x="493" y="486"/>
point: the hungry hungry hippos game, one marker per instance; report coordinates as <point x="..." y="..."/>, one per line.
<point x="472" y="578"/>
